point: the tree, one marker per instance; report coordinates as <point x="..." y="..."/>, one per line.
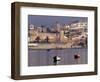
<point x="37" y="39"/>
<point x="47" y="39"/>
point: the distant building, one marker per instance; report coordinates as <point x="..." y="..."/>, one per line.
<point x="61" y="35"/>
<point x="57" y="33"/>
<point x="78" y="26"/>
<point x="63" y="38"/>
<point x="66" y="27"/>
<point x="39" y="29"/>
<point x="44" y="29"/>
<point x="31" y="26"/>
<point x="58" y="27"/>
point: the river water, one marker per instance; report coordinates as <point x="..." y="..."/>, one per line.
<point x="44" y="57"/>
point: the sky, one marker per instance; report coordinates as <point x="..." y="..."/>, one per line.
<point x="48" y="21"/>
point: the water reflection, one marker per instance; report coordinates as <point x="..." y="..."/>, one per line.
<point x="41" y="57"/>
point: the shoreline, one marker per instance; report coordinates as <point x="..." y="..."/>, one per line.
<point x="53" y="46"/>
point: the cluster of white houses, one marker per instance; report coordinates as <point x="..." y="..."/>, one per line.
<point x="58" y="32"/>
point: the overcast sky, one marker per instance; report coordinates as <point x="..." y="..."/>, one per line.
<point x="51" y="20"/>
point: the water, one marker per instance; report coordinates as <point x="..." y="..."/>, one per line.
<point x="45" y="57"/>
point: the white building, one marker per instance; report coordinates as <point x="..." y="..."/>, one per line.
<point x="78" y="26"/>
<point x="31" y="26"/>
